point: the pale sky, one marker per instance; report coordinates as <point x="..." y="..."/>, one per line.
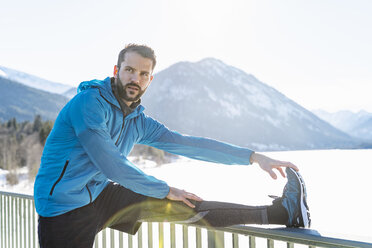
<point x="318" y="52"/>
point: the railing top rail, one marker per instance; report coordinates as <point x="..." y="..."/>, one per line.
<point x="295" y="235"/>
<point x="29" y="197"/>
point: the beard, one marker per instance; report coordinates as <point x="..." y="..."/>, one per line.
<point x="123" y="91"/>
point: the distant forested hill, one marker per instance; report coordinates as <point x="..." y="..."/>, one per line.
<point x="24" y="103"/>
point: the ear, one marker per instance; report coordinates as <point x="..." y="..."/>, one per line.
<point x="115" y="70"/>
<point x="151" y="78"/>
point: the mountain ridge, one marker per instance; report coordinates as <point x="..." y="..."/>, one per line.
<point x="23" y="102"/>
<point x="212" y="99"/>
<point x="357" y="124"/>
<point x="206" y="97"/>
<point x="33" y="81"/>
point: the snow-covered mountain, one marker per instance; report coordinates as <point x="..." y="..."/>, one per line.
<point x="23" y="102"/>
<point x="210" y="98"/>
<point x="355" y="124"/>
<point x="33" y="81"/>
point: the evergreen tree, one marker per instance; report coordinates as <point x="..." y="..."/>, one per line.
<point x="37" y="123"/>
<point x="44" y="131"/>
<point x="12" y="124"/>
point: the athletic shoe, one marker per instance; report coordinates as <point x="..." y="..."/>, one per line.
<point x="294" y="200"/>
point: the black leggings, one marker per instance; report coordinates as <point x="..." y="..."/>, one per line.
<point x="121" y="209"/>
<point x="210" y="213"/>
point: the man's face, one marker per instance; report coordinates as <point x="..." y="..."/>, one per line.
<point x="134" y="76"/>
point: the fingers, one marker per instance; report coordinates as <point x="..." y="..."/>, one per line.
<point x="182" y="195"/>
<point x="272" y="174"/>
<point x="288" y="164"/>
<point x="193" y="197"/>
<point x="188" y="203"/>
<point x="279" y="165"/>
<point x="281" y="172"/>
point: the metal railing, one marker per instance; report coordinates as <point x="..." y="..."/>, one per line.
<point x="18" y="225"/>
<point x="18" y="228"/>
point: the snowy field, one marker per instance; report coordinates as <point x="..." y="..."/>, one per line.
<point x="23" y="187"/>
<point x="338" y="184"/>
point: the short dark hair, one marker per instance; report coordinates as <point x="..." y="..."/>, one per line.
<point x="143" y="50"/>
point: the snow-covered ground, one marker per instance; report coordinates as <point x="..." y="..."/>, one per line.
<point x="338" y="184"/>
<point x="24" y="186"/>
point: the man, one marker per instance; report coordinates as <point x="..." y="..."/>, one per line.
<point x="86" y="183"/>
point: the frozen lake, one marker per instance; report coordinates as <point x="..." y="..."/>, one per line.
<point x="338" y="184"/>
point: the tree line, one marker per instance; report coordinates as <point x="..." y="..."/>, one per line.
<point x="22" y="143"/>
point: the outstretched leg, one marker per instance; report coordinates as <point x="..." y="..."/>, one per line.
<point x="291" y="210"/>
<point x="212" y="213"/>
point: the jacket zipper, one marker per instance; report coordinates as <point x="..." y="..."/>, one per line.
<point x="121" y="131"/>
<point x="90" y="194"/>
<point x="60" y="177"/>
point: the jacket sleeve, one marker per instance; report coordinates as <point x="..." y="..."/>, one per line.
<point x="159" y="136"/>
<point x="88" y="117"/>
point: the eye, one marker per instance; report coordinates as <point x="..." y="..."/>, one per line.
<point x="145" y="74"/>
<point x="128" y="69"/>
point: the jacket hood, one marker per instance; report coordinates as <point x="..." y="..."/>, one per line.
<point x="105" y="90"/>
<point x="103" y="85"/>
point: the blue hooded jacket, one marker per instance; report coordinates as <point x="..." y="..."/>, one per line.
<point x="89" y="144"/>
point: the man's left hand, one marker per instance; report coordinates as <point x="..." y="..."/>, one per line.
<point x="269" y="164"/>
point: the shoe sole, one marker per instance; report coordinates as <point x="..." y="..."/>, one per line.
<point x="304" y="208"/>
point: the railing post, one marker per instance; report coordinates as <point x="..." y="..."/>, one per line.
<point x="130" y="241"/>
<point x="34" y="226"/>
<point x="235" y="240"/>
<point x="16" y="225"/>
<point x="185" y="236"/>
<point x="1" y="221"/>
<point x="149" y="235"/>
<point x="112" y="238"/>
<point x="4" y="221"/>
<point x="19" y="208"/>
<point x="215" y="239"/>
<point x="24" y="222"/>
<point x="161" y="235"/>
<point x="252" y="242"/>
<point x="9" y="218"/>
<point x="139" y="238"/>
<point x="29" y="221"/>
<point x="173" y="235"/>
<point x="270" y="243"/>
<point x="121" y="241"/>
<point x="198" y="238"/>
<point x="12" y="219"/>
<point x="211" y="239"/>
<point x="104" y="238"/>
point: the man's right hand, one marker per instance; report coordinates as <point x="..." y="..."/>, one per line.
<point x="181" y="195"/>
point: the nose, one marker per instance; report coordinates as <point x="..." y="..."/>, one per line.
<point x="135" y="78"/>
